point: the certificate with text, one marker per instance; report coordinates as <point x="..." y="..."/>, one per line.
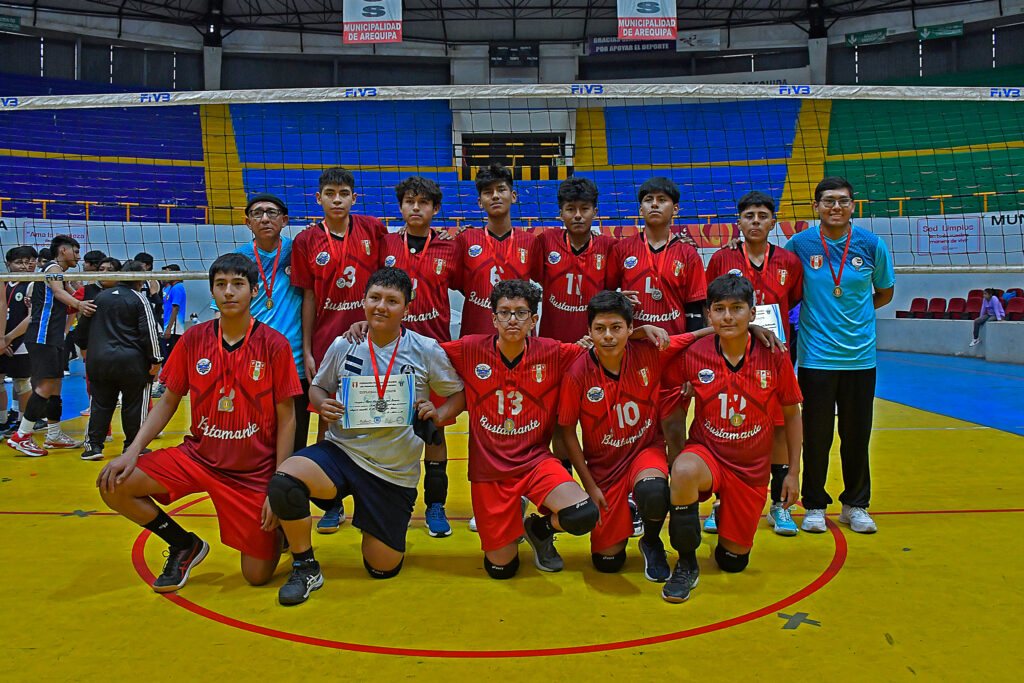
<point x="365" y="408"/>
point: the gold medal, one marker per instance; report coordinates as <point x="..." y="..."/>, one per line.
<point x="226" y="404"/>
<point x="509" y="425"/>
<point x="270" y="303"/>
<point x="837" y="292"/>
<point x="737" y="419"/>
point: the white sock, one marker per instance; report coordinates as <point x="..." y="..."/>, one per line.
<point x="52" y="430"/>
<point x="26" y="427"/>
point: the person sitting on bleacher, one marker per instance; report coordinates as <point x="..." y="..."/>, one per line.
<point x="990" y="308"/>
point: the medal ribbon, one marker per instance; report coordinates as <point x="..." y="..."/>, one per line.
<point x="381" y="388"/>
<point x="415" y="261"/>
<point x="656" y="266"/>
<point x="581" y="258"/>
<point x="228" y="368"/>
<point x="607" y="394"/>
<point x="498" y="246"/>
<point x="828" y="258"/>
<point x="269" y="289"/>
<point x="340" y="257"/>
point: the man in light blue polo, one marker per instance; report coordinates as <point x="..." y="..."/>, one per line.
<point x="848" y="273"/>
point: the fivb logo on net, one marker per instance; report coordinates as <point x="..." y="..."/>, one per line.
<point x="1005" y="93"/>
<point x="8" y="101"/>
<point x="149" y="97"/>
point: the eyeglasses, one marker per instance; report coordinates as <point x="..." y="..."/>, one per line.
<point x="829" y="202"/>
<point x="521" y="315"/>
<point x="259" y="213"/>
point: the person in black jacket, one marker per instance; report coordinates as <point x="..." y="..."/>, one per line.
<point x="122" y="353"/>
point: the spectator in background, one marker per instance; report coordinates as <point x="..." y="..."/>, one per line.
<point x="44" y="256"/>
<point x="151" y="290"/>
<point x="90" y="264"/>
<point x="88" y="292"/>
<point x="990" y="308"/>
<point x="173" y="292"/>
<point x="14" y="360"/>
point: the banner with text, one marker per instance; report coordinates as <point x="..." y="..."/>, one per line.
<point x="647" y="19"/>
<point x="372" y="21"/>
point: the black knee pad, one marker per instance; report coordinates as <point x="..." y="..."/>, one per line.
<point x="608" y="564"/>
<point x="652" y="497"/>
<point x="54" y="407"/>
<point x="379" y="574"/>
<point x="36" y="408"/>
<point x="501" y="571"/>
<point x="580" y="518"/>
<point x="435" y="482"/>
<point x="731" y="562"/>
<point x="684" y="528"/>
<point x="289" y="497"/>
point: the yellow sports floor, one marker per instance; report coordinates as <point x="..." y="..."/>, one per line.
<point x="935" y="594"/>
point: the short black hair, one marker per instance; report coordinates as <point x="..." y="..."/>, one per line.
<point x="266" y="197"/>
<point x="131" y="266"/>
<point x="172" y="266"/>
<point x="991" y="291"/>
<point x="417" y="185"/>
<point x="516" y="289"/>
<point x="730" y="287"/>
<point x="145" y="258"/>
<point x="492" y="174"/>
<point x="22" y="252"/>
<point x="45" y="254"/>
<point x="391" y="278"/>
<point x="235" y="264"/>
<point x="336" y="175"/>
<point x="112" y="261"/>
<point x="94" y="257"/>
<point x="62" y="241"/>
<point x="832" y="183"/>
<point x="755" y="198"/>
<point x="658" y="184"/>
<point x="577" y="189"/>
<point x="608" y="301"/>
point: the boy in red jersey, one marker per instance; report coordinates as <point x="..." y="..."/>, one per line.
<point x="668" y="277"/>
<point x="240" y="378"/>
<point x="494" y="253"/>
<point x="612" y="393"/>
<point x="739" y="387"/>
<point x="778" y="280"/>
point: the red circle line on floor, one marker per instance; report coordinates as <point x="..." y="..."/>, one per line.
<point x="838" y="559"/>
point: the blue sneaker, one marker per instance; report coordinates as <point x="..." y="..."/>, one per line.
<point x="780" y="520"/>
<point x="655" y="563"/>
<point x="437" y="521"/>
<point x="332" y="520"/>
<point x="711" y="523"/>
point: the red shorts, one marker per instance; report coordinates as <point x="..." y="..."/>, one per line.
<point x="742" y="504"/>
<point x="670" y="398"/>
<point x="239" y="508"/>
<point x="616" y="523"/>
<point x="497" y="505"/>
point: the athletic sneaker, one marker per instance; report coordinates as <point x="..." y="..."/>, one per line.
<point x="858" y="519"/>
<point x="711" y="523"/>
<point x="975" y="342"/>
<point x="86" y="413"/>
<point x="39" y="425"/>
<point x="638" y="521"/>
<point x="814" y="521"/>
<point x="780" y="520"/>
<point x="472" y="523"/>
<point x="62" y="440"/>
<point x="331" y="521"/>
<point x="25" y="445"/>
<point x="437" y="521"/>
<point x="655" y="563"/>
<point x="92" y="453"/>
<point x="305" y="578"/>
<point x="545" y="556"/>
<point x="180" y="562"/>
<point x="683" y="580"/>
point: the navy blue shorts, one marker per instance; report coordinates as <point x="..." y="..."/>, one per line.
<point x="382" y="509"/>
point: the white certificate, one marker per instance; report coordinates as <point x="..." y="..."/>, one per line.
<point x="769" y="317"/>
<point x="364" y="408"/>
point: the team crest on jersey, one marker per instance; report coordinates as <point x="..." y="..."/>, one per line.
<point x="203" y="366"/>
<point x="438" y="265"/>
<point x="677" y="267"/>
<point x="366" y="247"/>
<point x="764" y="376"/>
<point x="539" y="371"/>
<point x="595" y="394"/>
<point x="256" y="370"/>
<point x="816" y="261"/>
<point x="630" y="262"/>
<point x="390" y="260"/>
<point x="598" y="261"/>
<point x="323" y="258"/>
<point x="19" y="296"/>
<point x="523" y="254"/>
<point x="782" y="276"/>
<point x="856" y="262"/>
<point x="643" y="376"/>
<point x="706" y="376"/>
<point x="475" y="250"/>
<point x="483" y="371"/>
<point x="736" y="271"/>
<point x="554" y="257"/>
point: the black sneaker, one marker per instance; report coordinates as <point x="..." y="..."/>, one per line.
<point x="92" y="452"/>
<point x="180" y="562"/>
<point x="305" y="578"/>
<point x="678" y="587"/>
<point x="655" y="563"/>
<point x="545" y="556"/>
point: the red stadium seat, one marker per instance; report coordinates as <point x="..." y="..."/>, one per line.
<point x="1017" y="291"/>
<point x="1015" y="308"/>
<point x="974" y="307"/>
<point x="976" y="293"/>
<point x="918" y="305"/>
<point x="936" y="308"/>
<point x="957" y="309"/>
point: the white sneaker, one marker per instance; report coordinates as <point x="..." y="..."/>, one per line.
<point x="858" y="519"/>
<point x="62" y="440"/>
<point x="975" y="342"/>
<point x="472" y="523"/>
<point x="814" y="521"/>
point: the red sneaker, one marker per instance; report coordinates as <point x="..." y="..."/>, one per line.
<point x="26" y="445"/>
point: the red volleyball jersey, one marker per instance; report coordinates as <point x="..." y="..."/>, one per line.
<point x="674" y="270"/>
<point x="619" y="416"/>
<point x="486" y="261"/>
<point x="570" y="280"/>
<point x="736" y="406"/>
<point x="511" y="409"/>
<point x="779" y="280"/>
<point x="255" y="376"/>
<point x="433" y="271"/>
<point x="336" y="269"/>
